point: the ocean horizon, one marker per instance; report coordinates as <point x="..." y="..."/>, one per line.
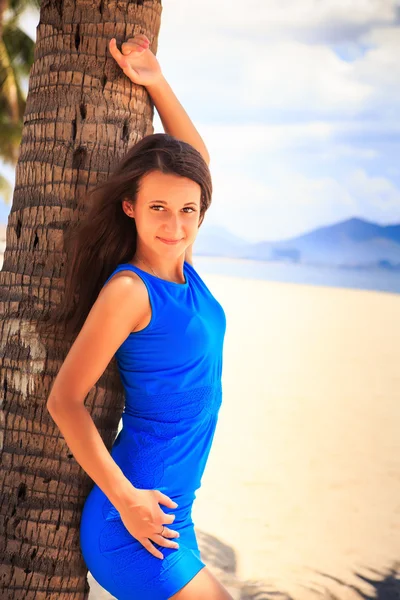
<point x="383" y="280"/>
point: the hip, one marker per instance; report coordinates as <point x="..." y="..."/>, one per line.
<point x="112" y="554"/>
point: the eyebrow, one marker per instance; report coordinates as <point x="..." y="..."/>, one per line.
<point x="164" y="202"/>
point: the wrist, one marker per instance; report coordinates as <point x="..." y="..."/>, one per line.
<point x="123" y="493"/>
<point x="157" y="84"/>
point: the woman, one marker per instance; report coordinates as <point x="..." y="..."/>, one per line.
<point x="141" y="299"/>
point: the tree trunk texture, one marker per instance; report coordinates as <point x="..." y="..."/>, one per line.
<point x="82" y="115"/>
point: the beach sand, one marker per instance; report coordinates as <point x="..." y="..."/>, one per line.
<point x="301" y="494"/>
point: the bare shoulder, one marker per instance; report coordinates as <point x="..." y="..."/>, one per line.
<point x="126" y="292"/>
<point x="120" y="305"/>
<point x="124" y="280"/>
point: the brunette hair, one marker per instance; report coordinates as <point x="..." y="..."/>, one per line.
<point x="106" y="236"/>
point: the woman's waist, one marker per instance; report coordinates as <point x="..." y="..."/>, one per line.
<point x="175" y="466"/>
<point x="98" y="507"/>
<point x="166" y="410"/>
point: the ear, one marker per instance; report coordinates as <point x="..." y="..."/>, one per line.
<point x="128" y="208"/>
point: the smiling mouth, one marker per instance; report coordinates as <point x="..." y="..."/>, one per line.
<point x="169" y="241"/>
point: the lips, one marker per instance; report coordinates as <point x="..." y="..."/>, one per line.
<point x="169" y="241"/>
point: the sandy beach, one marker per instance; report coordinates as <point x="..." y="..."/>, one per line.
<point x="303" y="483"/>
<point x="300" y="498"/>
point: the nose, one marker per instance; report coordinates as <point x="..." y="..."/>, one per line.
<point x="173" y="227"/>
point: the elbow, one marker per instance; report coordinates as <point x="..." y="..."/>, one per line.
<point x="53" y="409"/>
<point x="60" y="405"/>
<point x="50" y="405"/>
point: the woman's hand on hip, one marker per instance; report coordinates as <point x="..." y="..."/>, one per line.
<point x="144" y="519"/>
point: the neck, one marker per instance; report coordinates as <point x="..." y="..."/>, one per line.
<point x="163" y="271"/>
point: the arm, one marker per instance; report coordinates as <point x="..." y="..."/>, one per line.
<point x="173" y="116"/>
<point x="142" y="67"/>
<point x="102" y="333"/>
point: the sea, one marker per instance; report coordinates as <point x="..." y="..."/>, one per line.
<point x="383" y="280"/>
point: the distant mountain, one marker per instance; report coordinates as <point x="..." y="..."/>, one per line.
<point x="223" y="234"/>
<point x="213" y="240"/>
<point x="354" y="243"/>
<point x="355" y="229"/>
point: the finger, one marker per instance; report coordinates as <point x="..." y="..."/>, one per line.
<point x="151" y="548"/>
<point x="164" y="499"/>
<point x="127" y="48"/>
<point x="121" y="60"/>
<point x="115" y="52"/>
<point x="168" y="518"/>
<point x="143" y="42"/>
<point x="140" y="36"/>
<point x="162" y="541"/>
<point x="170" y="533"/>
<point x="137" y="41"/>
<point x="134" y="44"/>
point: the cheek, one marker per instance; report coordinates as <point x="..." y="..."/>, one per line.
<point x="193" y="229"/>
<point x="146" y="224"/>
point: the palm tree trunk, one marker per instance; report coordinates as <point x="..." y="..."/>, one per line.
<point x="82" y="115"/>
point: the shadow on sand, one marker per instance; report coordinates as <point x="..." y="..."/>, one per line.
<point x="221" y="560"/>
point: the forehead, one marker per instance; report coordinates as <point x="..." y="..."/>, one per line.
<point x="171" y="186"/>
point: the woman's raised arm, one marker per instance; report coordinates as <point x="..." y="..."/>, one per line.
<point x="141" y="66"/>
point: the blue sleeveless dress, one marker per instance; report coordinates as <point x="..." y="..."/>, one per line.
<point x="171" y="373"/>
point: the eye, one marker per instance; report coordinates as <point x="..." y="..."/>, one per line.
<point x="161" y="206"/>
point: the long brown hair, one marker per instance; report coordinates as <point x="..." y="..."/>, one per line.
<point x="106" y="236"/>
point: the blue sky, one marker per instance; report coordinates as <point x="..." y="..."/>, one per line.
<point x="298" y="103"/>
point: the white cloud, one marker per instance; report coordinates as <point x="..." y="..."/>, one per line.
<point x="257" y="211"/>
<point x="293" y="76"/>
<point x="241" y="143"/>
<point x="379" y="69"/>
<point x="275" y="17"/>
<point x="284" y="77"/>
<point x="294" y="203"/>
<point x="377" y="192"/>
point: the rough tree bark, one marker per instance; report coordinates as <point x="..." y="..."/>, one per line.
<point x="82" y="115"/>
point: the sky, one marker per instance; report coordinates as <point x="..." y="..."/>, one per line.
<point x="298" y="104"/>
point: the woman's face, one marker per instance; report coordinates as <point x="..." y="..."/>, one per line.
<point x="167" y="208"/>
